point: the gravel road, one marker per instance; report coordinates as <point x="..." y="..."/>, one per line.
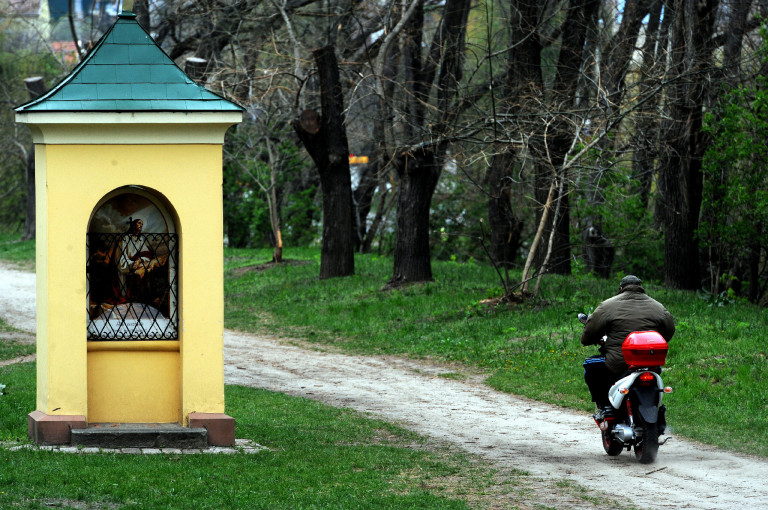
<point x="548" y="442"/>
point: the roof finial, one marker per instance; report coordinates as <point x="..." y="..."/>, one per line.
<point x="127" y="11"/>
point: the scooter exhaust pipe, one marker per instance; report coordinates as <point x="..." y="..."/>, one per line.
<point x="624" y="433"/>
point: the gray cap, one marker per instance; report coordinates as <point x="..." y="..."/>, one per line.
<point x="630" y="280"/>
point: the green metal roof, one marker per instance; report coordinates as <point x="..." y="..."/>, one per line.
<point x="127" y="71"/>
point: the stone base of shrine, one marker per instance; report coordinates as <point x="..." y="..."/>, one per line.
<point x="46" y="429"/>
<point x="220" y="427"/>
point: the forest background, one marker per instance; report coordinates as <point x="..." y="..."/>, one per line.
<point x="559" y="136"/>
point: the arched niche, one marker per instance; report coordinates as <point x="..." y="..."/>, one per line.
<point x="132" y="268"/>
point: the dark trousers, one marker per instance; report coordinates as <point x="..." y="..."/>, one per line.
<point x="599" y="379"/>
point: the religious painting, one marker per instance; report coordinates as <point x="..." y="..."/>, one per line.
<point x="132" y="257"/>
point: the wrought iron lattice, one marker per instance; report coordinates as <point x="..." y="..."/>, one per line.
<point x="132" y="286"/>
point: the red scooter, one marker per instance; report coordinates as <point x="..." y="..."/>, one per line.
<point x="638" y="414"/>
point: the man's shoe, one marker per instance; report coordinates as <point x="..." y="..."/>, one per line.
<point x="603" y="413"/>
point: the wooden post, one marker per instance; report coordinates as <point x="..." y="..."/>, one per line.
<point x="35" y="85"/>
<point x="196" y="68"/>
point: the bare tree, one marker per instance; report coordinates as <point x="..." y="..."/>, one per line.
<point x="647" y="134"/>
<point x="325" y="138"/>
<point x="613" y="61"/>
<point x="681" y="179"/>
<point x="420" y="153"/>
<point x="558" y="136"/>
<point x="521" y="94"/>
<point x="561" y="77"/>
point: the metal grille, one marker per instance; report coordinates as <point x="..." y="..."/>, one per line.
<point x="132" y="286"/>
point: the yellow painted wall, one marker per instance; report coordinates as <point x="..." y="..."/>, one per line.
<point x="71" y="179"/>
<point x="41" y="269"/>
<point x="133" y="386"/>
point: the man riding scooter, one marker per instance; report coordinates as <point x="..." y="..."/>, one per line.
<point x="615" y="318"/>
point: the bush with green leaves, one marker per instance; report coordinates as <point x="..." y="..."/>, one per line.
<point x="248" y="187"/>
<point x="735" y="204"/>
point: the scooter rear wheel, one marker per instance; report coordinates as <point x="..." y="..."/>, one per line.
<point x="648" y="448"/>
<point x="611" y="446"/>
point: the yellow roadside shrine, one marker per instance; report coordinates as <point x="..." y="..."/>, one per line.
<point x="128" y="154"/>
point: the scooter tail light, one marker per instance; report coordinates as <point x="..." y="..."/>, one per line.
<point x="646" y="379"/>
<point x="667" y="389"/>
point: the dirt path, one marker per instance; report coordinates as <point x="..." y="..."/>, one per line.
<point x="17" y="298"/>
<point x="513" y="432"/>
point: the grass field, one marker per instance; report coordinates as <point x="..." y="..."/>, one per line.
<point x="315" y="457"/>
<point x="20" y="253"/>
<point x="717" y="363"/>
<point x="320" y="457"/>
<point x="14" y="343"/>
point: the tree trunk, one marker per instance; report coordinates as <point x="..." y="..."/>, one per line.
<point x="598" y="248"/>
<point x="523" y="85"/>
<point x="618" y="54"/>
<point x="35" y="86"/>
<point x="30" y="228"/>
<point x="363" y="197"/>
<point x="73" y="29"/>
<point x="141" y="10"/>
<point x="559" y="260"/>
<point x="645" y="150"/>
<point x="581" y="13"/>
<point x="385" y="205"/>
<point x="419" y="172"/>
<point x="420" y="164"/>
<point x="681" y="176"/>
<point x="542" y="222"/>
<point x="505" y="227"/>
<point x="325" y="139"/>
<point x="738" y="13"/>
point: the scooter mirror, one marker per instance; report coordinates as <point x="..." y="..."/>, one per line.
<point x="583" y="318"/>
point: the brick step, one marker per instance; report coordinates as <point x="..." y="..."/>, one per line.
<point x="140" y="435"/>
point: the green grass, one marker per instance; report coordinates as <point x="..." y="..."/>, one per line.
<point x="717" y="363"/>
<point x="18" y="395"/>
<point x="13" y="249"/>
<point x="11" y="345"/>
<point x="316" y="456"/>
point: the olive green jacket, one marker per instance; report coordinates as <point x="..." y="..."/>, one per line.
<point x="630" y="310"/>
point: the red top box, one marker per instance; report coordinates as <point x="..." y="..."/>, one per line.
<point x="645" y="348"/>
